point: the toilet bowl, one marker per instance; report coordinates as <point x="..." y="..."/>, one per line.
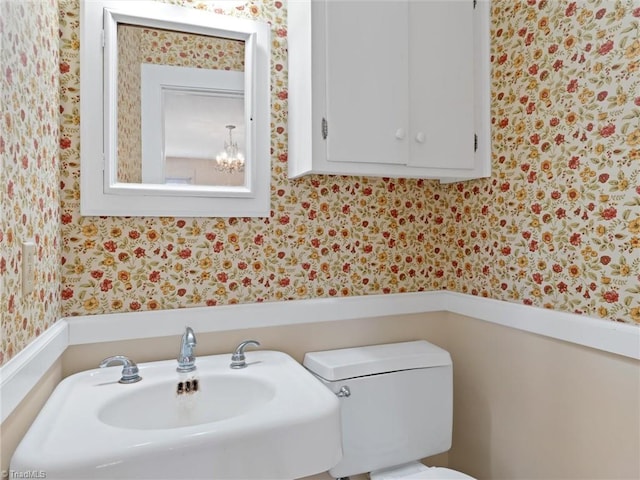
<point x="417" y="471"/>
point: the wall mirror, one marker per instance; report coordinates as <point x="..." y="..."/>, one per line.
<point x="175" y="111"/>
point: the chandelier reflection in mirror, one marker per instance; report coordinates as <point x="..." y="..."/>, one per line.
<point x="231" y="159"/>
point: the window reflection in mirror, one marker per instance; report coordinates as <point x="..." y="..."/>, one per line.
<point x="173" y="134"/>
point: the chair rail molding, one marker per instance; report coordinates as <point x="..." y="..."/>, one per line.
<point x="20" y="374"/>
<point x="23" y="372"/>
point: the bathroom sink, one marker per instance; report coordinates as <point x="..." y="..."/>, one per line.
<point x="150" y="407"/>
<point x="272" y="419"/>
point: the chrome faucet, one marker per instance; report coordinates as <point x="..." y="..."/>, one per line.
<point x="186" y="357"/>
<point x="238" y="358"/>
<point x="129" y="368"/>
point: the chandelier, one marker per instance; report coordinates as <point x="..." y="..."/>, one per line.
<point x="230" y="160"/>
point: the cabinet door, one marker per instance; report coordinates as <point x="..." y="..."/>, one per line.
<point x="366" y="48"/>
<point x="441" y="85"/>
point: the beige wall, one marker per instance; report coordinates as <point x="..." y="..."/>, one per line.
<point x="531" y="407"/>
<point x="526" y="406"/>
<point x="16" y="425"/>
<point x="295" y="340"/>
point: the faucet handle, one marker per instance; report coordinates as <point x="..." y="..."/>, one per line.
<point x="238" y="358"/>
<point x="129" y="368"/>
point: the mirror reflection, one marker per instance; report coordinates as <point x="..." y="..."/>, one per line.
<point x="181" y="109"/>
<point x="197" y="149"/>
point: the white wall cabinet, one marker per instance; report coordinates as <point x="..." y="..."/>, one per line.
<point x="393" y="88"/>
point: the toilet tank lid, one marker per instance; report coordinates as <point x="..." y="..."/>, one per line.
<point x="360" y="361"/>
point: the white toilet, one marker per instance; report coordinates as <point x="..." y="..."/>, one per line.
<point x="396" y="408"/>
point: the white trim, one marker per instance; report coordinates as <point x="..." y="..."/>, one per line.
<point x="102" y="194"/>
<point x="613" y="337"/>
<point x="128" y="326"/>
<point x="23" y="372"/>
<point x="619" y="338"/>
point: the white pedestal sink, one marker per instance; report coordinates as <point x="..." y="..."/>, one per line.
<point x="270" y="420"/>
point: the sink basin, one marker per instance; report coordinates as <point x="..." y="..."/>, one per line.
<point x="271" y="420"/>
<point x="158" y="406"/>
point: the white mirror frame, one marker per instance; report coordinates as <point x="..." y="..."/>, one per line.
<point x="100" y="192"/>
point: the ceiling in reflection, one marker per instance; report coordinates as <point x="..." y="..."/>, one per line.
<point x="195" y="124"/>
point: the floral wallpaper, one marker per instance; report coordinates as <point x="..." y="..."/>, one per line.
<point x="129" y="105"/>
<point x="29" y="192"/>
<point x="191" y="50"/>
<point x="327" y="236"/>
<point x="556" y="226"/>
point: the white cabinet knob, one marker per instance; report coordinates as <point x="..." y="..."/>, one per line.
<point x="420" y="137"/>
<point x="400" y="133"/>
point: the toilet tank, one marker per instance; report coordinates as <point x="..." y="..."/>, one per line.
<point x="400" y="402"/>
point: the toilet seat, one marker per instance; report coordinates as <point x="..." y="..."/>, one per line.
<point x="418" y="471"/>
<point x="439" y="473"/>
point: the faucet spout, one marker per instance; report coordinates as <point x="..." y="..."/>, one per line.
<point x="187" y="357"/>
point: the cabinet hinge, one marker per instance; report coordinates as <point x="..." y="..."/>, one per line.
<point x="475" y="142"/>
<point x="475" y="4"/>
<point x="325" y="128"/>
